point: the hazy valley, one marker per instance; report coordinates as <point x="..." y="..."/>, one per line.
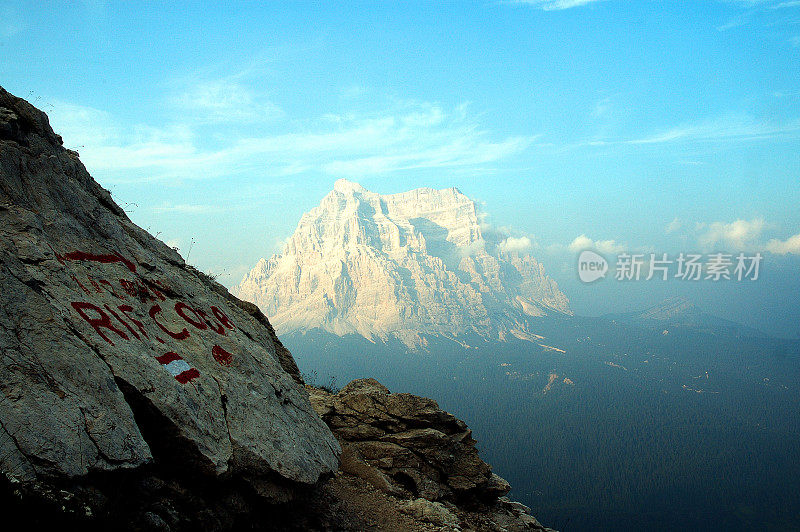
<point x="593" y="420"/>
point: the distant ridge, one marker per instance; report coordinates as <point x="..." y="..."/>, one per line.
<point x="671" y="308"/>
<point x="680" y="311"/>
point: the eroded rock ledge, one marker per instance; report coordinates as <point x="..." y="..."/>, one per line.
<point x="416" y="459"/>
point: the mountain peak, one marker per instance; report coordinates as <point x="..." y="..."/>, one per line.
<point x="399" y="265"/>
<point x="348" y="187"/>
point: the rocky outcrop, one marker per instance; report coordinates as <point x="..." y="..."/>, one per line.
<point x="116" y="355"/>
<point x="403" y="265"/>
<point x="412" y="444"/>
<point x="422" y="458"/>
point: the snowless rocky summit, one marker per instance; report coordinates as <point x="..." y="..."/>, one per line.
<point x="405" y="265"/>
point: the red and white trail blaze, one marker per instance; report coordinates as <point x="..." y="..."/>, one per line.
<point x="178" y="367"/>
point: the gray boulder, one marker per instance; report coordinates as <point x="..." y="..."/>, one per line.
<point x="116" y="354"/>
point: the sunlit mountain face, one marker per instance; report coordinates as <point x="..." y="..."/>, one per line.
<point x="406" y="266"/>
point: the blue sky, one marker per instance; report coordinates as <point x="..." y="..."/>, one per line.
<point x="644" y="126"/>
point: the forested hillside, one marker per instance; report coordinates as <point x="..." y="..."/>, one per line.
<point x="661" y="430"/>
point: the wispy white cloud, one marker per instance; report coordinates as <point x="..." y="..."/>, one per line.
<point x="80" y="125"/>
<point x="406" y="135"/>
<point x="583" y="242"/>
<point x="748" y="3"/>
<point x="468" y="150"/>
<point x="738" y="235"/>
<point x="553" y="5"/>
<point x="771" y="4"/>
<point x="728" y="237"/>
<point x="674" y="226"/>
<point x="784" y="247"/>
<point x="786" y="4"/>
<point x="735" y="22"/>
<point x="755" y="10"/>
<point x="730" y="127"/>
<point x="225" y="100"/>
<point x="516" y="244"/>
<point x="104" y="144"/>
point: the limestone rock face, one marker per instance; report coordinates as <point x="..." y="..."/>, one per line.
<point x="419" y="456"/>
<point x="404" y="265"/>
<point x="416" y="445"/>
<point x="115" y="352"/>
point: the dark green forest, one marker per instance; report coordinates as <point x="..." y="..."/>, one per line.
<point x="689" y="429"/>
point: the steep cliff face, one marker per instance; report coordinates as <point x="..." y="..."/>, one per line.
<point x="116" y="352"/>
<point x="406" y="265"/>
